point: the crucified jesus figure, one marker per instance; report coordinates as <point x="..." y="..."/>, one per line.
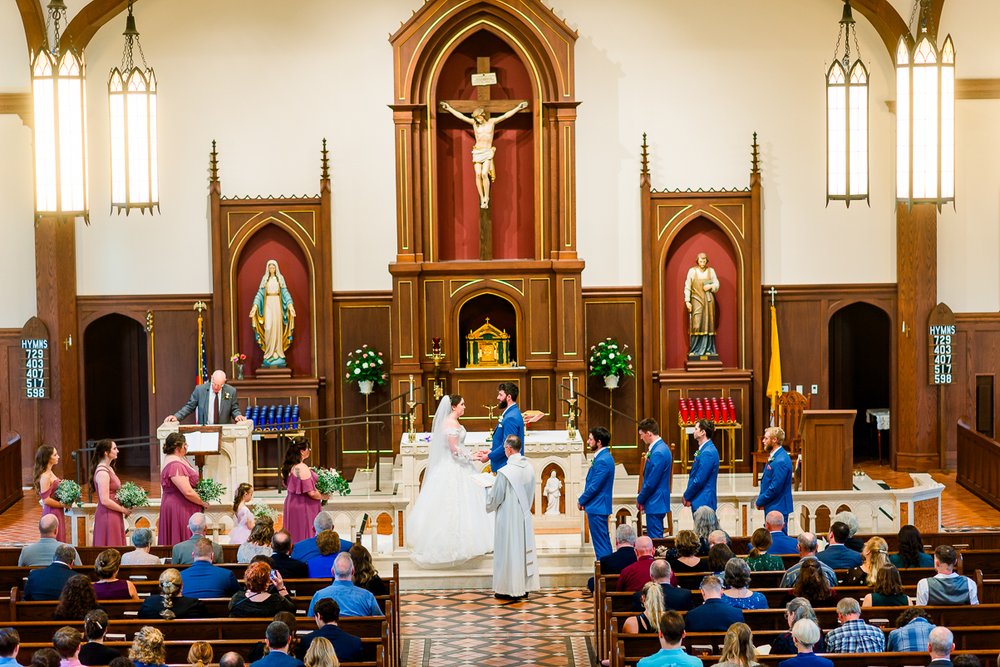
<point x="483" y="151"/>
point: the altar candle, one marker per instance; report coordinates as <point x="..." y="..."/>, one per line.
<point x="411" y="389"/>
<point x="571" y="393"/>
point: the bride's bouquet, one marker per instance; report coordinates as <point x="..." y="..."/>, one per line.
<point x="329" y="481"/>
<point x="131" y="495"/>
<point x="68" y="493"/>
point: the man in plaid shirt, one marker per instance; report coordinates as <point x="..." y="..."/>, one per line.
<point x="913" y="631"/>
<point x="854" y="635"/>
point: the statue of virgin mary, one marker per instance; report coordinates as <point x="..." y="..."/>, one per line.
<point x="273" y="316"/>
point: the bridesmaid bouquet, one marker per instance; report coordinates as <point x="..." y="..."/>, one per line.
<point x="68" y="493"/>
<point x="329" y="481"/>
<point x="260" y="510"/>
<point x="131" y="495"/>
<point x="209" y="490"/>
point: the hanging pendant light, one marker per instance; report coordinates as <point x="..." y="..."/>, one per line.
<point x="925" y="115"/>
<point x="132" y="101"/>
<point x="58" y="87"/>
<point x="847" y="119"/>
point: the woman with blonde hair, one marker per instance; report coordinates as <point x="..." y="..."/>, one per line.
<point x="653" y="608"/>
<point x="200" y="655"/>
<point x="109" y="586"/>
<point x="738" y="650"/>
<point x="171" y="585"/>
<point x="148" y="648"/>
<point x="874" y="556"/>
<point x="321" y="654"/>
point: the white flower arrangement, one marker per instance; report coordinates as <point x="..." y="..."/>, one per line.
<point x="609" y="358"/>
<point x="365" y="363"/>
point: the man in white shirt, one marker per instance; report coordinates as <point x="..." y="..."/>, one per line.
<point x="947" y="586"/>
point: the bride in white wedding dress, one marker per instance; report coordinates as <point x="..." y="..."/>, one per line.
<point x="448" y="523"/>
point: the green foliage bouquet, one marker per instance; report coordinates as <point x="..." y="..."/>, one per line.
<point x="365" y="363"/>
<point x="330" y="481"/>
<point x="131" y="495"/>
<point x="610" y="358"/>
<point x="261" y="510"/>
<point x="209" y="490"/>
<point x="68" y="493"/>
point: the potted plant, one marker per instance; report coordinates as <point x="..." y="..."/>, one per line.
<point x="365" y="367"/>
<point x="611" y="361"/>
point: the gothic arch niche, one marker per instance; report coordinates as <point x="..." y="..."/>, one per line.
<point x="860" y="370"/>
<point x="701" y="234"/>
<point x="473" y="313"/>
<point x="271" y="241"/>
<point x="513" y="192"/>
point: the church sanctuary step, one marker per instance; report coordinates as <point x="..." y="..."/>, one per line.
<point x="559" y="568"/>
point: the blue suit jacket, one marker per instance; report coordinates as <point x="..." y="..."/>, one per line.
<point x="713" y="616"/>
<point x="204" y="580"/>
<point x="654" y="495"/>
<point x="347" y="647"/>
<point x="47" y="583"/>
<point x="701" y="488"/>
<point x="783" y="544"/>
<point x="838" y="556"/>
<point x="776" y="484"/>
<point x="596" y="496"/>
<point x="278" y="659"/>
<point x="511" y="423"/>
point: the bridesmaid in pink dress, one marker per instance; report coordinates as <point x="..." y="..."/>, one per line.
<point x="179" y="499"/>
<point x="46" y="483"/>
<point x="244" y="521"/>
<point x="303" y="501"/>
<point x="109" y="517"/>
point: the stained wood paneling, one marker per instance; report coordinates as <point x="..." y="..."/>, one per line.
<point x="17" y="414"/>
<point x="539" y="300"/>
<point x="359" y="319"/>
<point x="978" y="464"/>
<point x="615" y="313"/>
<point x="976" y="352"/>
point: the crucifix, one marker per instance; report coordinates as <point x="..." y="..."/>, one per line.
<point x="483" y="151"/>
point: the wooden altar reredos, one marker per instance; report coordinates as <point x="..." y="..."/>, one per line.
<point x="532" y="288"/>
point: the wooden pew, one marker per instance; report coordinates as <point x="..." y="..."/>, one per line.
<point x="177" y="650"/>
<point x="9" y="555"/>
<point x="208" y="630"/>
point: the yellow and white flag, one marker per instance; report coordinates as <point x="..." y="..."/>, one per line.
<point x="774" y="374"/>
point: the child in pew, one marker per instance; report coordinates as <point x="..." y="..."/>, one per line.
<point x="94" y="652"/>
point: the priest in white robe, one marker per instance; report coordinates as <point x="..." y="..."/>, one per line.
<point x="515" y="563"/>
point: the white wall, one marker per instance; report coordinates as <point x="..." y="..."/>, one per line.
<point x="270" y="80"/>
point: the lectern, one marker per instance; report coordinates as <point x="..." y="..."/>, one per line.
<point x="827" y="449"/>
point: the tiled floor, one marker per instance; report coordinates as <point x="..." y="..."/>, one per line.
<point x="443" y="628"/>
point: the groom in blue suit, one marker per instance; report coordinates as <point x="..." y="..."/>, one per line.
<point x="776" y="482"/>
<point x="511" y="423"/>
<point x="654" y="496"/>
<point x="596" y="497"/>
<point x="702" y="482"/>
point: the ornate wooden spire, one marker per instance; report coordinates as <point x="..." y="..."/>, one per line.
<point x="213" y="165"/>
<point x="755" y="157"/>
<point x="325" y="162"/>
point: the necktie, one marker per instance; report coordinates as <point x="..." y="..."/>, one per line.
<point x="215" y="410"/>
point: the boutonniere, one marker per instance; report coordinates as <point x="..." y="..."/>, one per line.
<point x="226" y="396"/>
<point x="697" y="453"/>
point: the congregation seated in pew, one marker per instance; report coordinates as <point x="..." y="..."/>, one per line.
<point x="687" y="559"/>
<point x="94" y="652"/>
<point x="855" y="635"/>
<point x="737" y="592"/>
<point x="261" y="648"/>
<point x="761" y="559"/>
<point x="910" y="549"/>
<point x="76" y="599"/>
<point x="913" y="630"/>
<point x="282" y="561"/>
<point x="737" y="647"/>
<point x="148" y="648"/>
<point x="807" y="548"/>
<point x="202" y="579"/>
<point x="328" y="544"/>
<point x="47" y="583"/>
<point x="671" y="654"/>
<point x="277" y="638"/>
<point x="257" y="601"/>
<point x="797" y="610"/>
<point x="346" y="646"/>
<point x="874" y="555"/>
<point x="806" y="635"/>
<point x="888" y="589"/>
<point x="713" y="613"/>
<point x="353" y="601"/>
<point x="142" y="540"/>
<point x="813" y="585"/>
<point x="947" y="586"/>
<point x="43" y="552"/>
<point x="258" y="542"/>
<point x="183" y="552"/>
<point x="108" y="586"/>
<point x="172" y="588"/>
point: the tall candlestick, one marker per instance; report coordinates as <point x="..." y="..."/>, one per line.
<point x="571" y="393"/>
<point x="411" y="388"/>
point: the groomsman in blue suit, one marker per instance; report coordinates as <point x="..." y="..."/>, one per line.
<point x="511" y="423"/>
<point x="701" y="488"/>
<point x="776" y="482"/>
<point x="654" y="496"/>
<point x="596" y="497"/>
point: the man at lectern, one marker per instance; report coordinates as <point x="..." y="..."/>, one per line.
<point x="215" y="403"/>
